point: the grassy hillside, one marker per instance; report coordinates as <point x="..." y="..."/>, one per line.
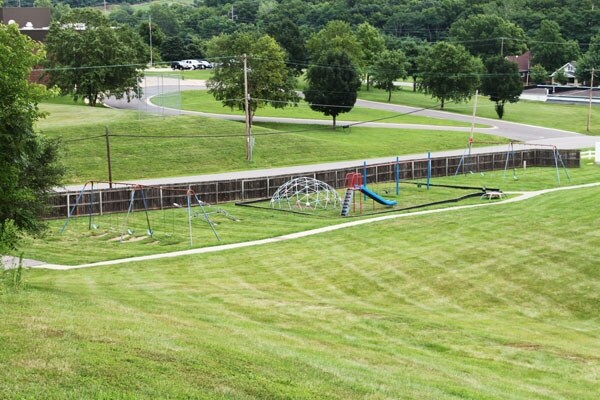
<point x="144" y="146"/>
<point x="499" y="302"/>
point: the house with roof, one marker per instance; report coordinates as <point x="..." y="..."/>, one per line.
<point x="32" y="21"/>
<point x="568" y="70"/>
<point x="524" y="63"/>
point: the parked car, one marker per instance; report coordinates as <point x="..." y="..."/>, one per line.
<point x="205" y="64"/>
<point x="177" y="65"/>
<point x="191" y="64"/>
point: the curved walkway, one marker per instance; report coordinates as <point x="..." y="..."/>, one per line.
<point x="522" y="196"/>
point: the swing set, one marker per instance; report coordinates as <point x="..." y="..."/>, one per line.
<point x="510" y="155"/>
<point x="138" y="193"/>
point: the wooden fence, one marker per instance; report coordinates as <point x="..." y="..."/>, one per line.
<point x="121" y="199"/>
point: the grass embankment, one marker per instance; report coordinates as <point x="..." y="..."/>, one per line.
<point x="498" y="302"/>
<point x="144" y="146"/>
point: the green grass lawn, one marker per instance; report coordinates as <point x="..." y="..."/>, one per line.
<point x="201" y="100"/>
<point x="191" y="145"/>
<point x="497" y="302"/>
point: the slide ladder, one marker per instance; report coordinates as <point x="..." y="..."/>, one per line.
<point x="347" y="202"/>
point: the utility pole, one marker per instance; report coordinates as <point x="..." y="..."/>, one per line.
<point x="150" y="32"/>
<point x="247" y="109"/>
<point x="108" y="157"/>
<point x="589" y="120"/>
<point x="233" y="16"/>
<point x="473" y="121"/>
<point x="502" y="46"/>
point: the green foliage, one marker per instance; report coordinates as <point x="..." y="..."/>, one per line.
<point x="449" y="72"/>
<point x="372" y="44"/>
<point x="100" y="61"/>
<point x="560" y="76"/>
<point x="589" y="62"/>
<point x="488" y="35"/>
<point x="413" y="49"/>
<point x="539" y="74"/>
<point x="389" y="66"/>
<point x="287" y="34"/>
<point x="501" y="82"/>
<point x="335" y="36"/>
<point x="550" y="49"/>
<point x="333" y="83"/>
<point x="28" y="162"/>
<point x="269" y="79"/>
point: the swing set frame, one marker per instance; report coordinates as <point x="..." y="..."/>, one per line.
<point x="191" y="197"/>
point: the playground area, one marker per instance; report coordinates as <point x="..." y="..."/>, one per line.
<point x="133" y="219"/>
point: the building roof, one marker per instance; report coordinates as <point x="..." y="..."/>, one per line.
<point x="569" y="69"/>
<point x="523" y="61"/>
<point x="32" y="21"/>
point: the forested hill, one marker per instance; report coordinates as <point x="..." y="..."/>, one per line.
<point x="429" y="19"/>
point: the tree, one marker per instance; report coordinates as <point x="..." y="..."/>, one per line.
<point x="29" y="167"/>
<point x="449" y="72"/>
<point x="333" y="83"/>
<point x="372" y="44"/>
<point x="269" y="80"/>
<point x="287" y="34"/>
<point x="413" y="49"/>
<point x="560" y="76"/>
<point x="589" y="62"/>
<point x="389" y="66"/>
<point x="539" y="74"/>
<point x="501" y="82"/>
<point x="336" y="35"/>
<point x="100" y="60"/>
<point x="488" y="35"/>
<point x="550" y="49"/>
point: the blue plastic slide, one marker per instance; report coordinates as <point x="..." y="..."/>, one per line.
<point x="377" y="197"/>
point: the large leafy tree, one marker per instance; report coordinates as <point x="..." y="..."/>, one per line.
<point x="333" y="83"/>
<point x="99" y="60"/>
<point x="550" y="49"/>
<point x="449" y="72"/>
<point x="413" y="49"/>
<point x="29" y="166"/>
<point x="287" y="34"/>
<point x="501" y="82"/>
<point x="488" y="35"/>
<point x="269" y="79"/>
<point x="336" y="35"/>
<point x="389" y="66"/>
<point x="372" y="44"/>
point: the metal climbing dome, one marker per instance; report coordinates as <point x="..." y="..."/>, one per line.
<point x="306" y="193"/>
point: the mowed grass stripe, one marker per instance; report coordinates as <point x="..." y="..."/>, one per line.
<point x="293" y="320"/>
